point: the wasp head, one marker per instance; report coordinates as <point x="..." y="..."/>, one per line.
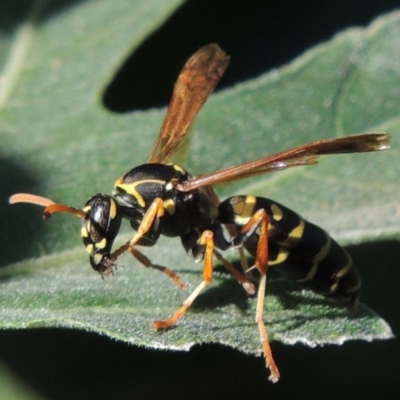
<point x="100" y="227"/>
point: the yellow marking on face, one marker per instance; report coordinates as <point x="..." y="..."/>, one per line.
<point x="102" y="243"/>
<point x="113" y="209"/>
<point x="97" y="258"/>
<point x="281" y="256"/>
<point x="169" y="205"/>
<point x="87" y="209"/>
<point x="84" y="232"/>
<point x="277" y="213"/>
<point x="89" y="248"/>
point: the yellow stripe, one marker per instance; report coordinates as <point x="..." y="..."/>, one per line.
<point x="296" y="234"/>
<point x="277" y="213"/>
<point x="179" y="169"/>
<point x="355" y="289"/>
<point x="281" y="257"/>
<point x="311" y="273"/>
<point x="346" y="268"/>
<point x="130" y="188"/>
<point x="324" y="249"/>
<point x="84" y="232"/>
<point x="169" y="205"/>
<point x="244" y="210"/>
<point x="102" y="243"/>
<point x="334" y="287"/>
<point x="97" y="258"/>
<point x="317" y="259"/>
<point x="113" y="209"/>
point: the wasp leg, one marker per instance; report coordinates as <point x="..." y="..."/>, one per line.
<point x="154" y="212"/>
<point x="207" y="241"/>
<point x="242" y="280"/>
<point x="245" y="265"/>
<point x="260" y="220"/>
<point x="148" y="264"/>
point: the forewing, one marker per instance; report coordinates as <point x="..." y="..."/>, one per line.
<point x="298" y="156"/>
<point x="196" y="81"/>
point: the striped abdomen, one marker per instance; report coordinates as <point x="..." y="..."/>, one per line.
<point x="298" y="249"/>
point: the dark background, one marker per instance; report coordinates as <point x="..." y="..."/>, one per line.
<point x="259" y="36"/>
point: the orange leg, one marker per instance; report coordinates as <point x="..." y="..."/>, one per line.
<point x="245" y="265"/>
<point x="156" y="210"/>
<point x="148" y="264"/>
<point x="260" y="218"/>
<point x="208" y="241"/>
<point x="242" y="280"/>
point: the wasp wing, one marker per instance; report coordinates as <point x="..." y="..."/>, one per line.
<point x="298" y="156"/>
<point x="196" y="81"/>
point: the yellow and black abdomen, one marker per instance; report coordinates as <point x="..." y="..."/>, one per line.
<point x="298" y="249"/>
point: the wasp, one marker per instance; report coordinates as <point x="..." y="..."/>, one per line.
<point x="161" y="198"/>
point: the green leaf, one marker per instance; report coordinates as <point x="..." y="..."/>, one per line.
<point x="59" y="292"/>
<point x="58" y="141"/>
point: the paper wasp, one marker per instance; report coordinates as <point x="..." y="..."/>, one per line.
<point x="164" y="199"/>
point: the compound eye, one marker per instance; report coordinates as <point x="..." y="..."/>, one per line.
<point x="99" y="212"/>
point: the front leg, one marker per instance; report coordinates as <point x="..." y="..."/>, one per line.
<point x="150" y="220"/>
<point x="153" y="215"/>
<point x="145" y="261"/>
